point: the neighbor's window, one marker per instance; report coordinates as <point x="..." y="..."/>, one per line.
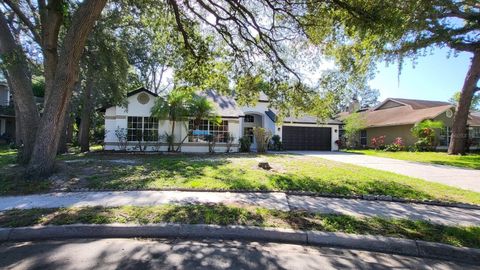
<point x="249" y="119"/>
<point x="474" y="136"/>
<point x="142" y="128"/>
<point x="341" y="133"/>
<point x="445" y="135"/>
<point x="206" y="127"/>
<point x="363" y="137"/>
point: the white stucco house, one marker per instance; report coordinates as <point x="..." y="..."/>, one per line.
<point x="302" y="133"/>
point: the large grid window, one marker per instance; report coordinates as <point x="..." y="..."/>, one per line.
<point x="150" y="129"/>
<point x="445" y="135"/>
<point x="219" y="131"/>
<point x="142" y="129"/>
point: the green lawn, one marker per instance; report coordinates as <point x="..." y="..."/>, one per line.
<point x="230" y="172"/>
<point x="468" y="161"/>
<point x="7" y="156"/>
<point x="240" y="172"/>
<point x="11" y="180"/>
<point x="233" y="215"/>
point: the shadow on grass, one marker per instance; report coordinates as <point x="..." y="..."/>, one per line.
<point x="7" y="156"/>
<point x="403" y="228"/>
<point x="214" y="172"/>
<point x="182" y="171"/>
<point x="172" y="170"/>
<point x="220" y="214"/>
<point x="13" y="182"/>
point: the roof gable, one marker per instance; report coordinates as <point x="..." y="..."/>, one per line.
<point x="141" y="89"/>
<point x="387" y="104"/>
<point x="414" y="104"/>
<point x="417" y="104"/>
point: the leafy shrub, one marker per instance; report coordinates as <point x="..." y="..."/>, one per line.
<point x="423" y="144"/>
<point x="121" y="134"/>
<point x="276" y="143"/>
<point x="339" y="143"/>
<point x="245" y="144"/>
<point x="229" y="138"/>
<point x="211" y="143"/>
<point x="262" y="137"/>
<point x="354" y="123"/>
<point x="395" y="146"/>
<point x="425" y="133"/>
<point x="378" y="142"/>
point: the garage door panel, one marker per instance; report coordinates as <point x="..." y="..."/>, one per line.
<point x="306" y="138"/>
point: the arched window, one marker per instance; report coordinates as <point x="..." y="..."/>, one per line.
<point x="249" y="118"/>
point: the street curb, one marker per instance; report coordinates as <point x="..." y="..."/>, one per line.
<point x="314" y="238"/>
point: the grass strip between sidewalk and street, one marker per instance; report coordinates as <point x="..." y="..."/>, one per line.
<point x="220" y="214"/>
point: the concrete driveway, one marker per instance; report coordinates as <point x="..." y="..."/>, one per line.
<point x="468" y="179"/>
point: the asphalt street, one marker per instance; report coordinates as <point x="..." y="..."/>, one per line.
<point x="198" y="254"/>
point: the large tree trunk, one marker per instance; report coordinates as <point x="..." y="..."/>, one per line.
<point x="70" y="129"/>
<point x="458" y="140"/>
<point x="87" y="106"/>
<point x="20" y="83"/>
<point x="52" y="123"/>
<point x="18" y="125"/>
<point x="51" y="21"/>
<point x="63" y="142"/>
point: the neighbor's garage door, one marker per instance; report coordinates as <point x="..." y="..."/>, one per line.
<point x="307" y="138"/>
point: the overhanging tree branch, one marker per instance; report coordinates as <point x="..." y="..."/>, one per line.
<point x="180" y="27"/>
<point x="33" y="29"/>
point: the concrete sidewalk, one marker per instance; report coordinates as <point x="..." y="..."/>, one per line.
<point x="463" y="178"/>
<point x="276" y="200"/>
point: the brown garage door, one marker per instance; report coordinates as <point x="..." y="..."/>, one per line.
<point x="307" y="138"/>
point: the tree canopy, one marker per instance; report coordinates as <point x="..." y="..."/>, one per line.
<point x="221" y="45"/>
<point x="475" y="106"/>
<point x="358" y="34"/>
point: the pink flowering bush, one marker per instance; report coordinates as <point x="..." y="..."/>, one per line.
<point x="397" y="145"/>
<point x="378" y="142"/>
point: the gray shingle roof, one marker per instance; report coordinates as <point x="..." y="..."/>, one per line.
<point x="420" y="104"/>
<point x="305" y="119"/>
<point x="413" y="111"/>
<point x="308" y="119"/>
<point x="225" y="106"/>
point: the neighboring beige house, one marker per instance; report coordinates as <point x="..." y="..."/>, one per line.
<point x="395" y="117"/>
